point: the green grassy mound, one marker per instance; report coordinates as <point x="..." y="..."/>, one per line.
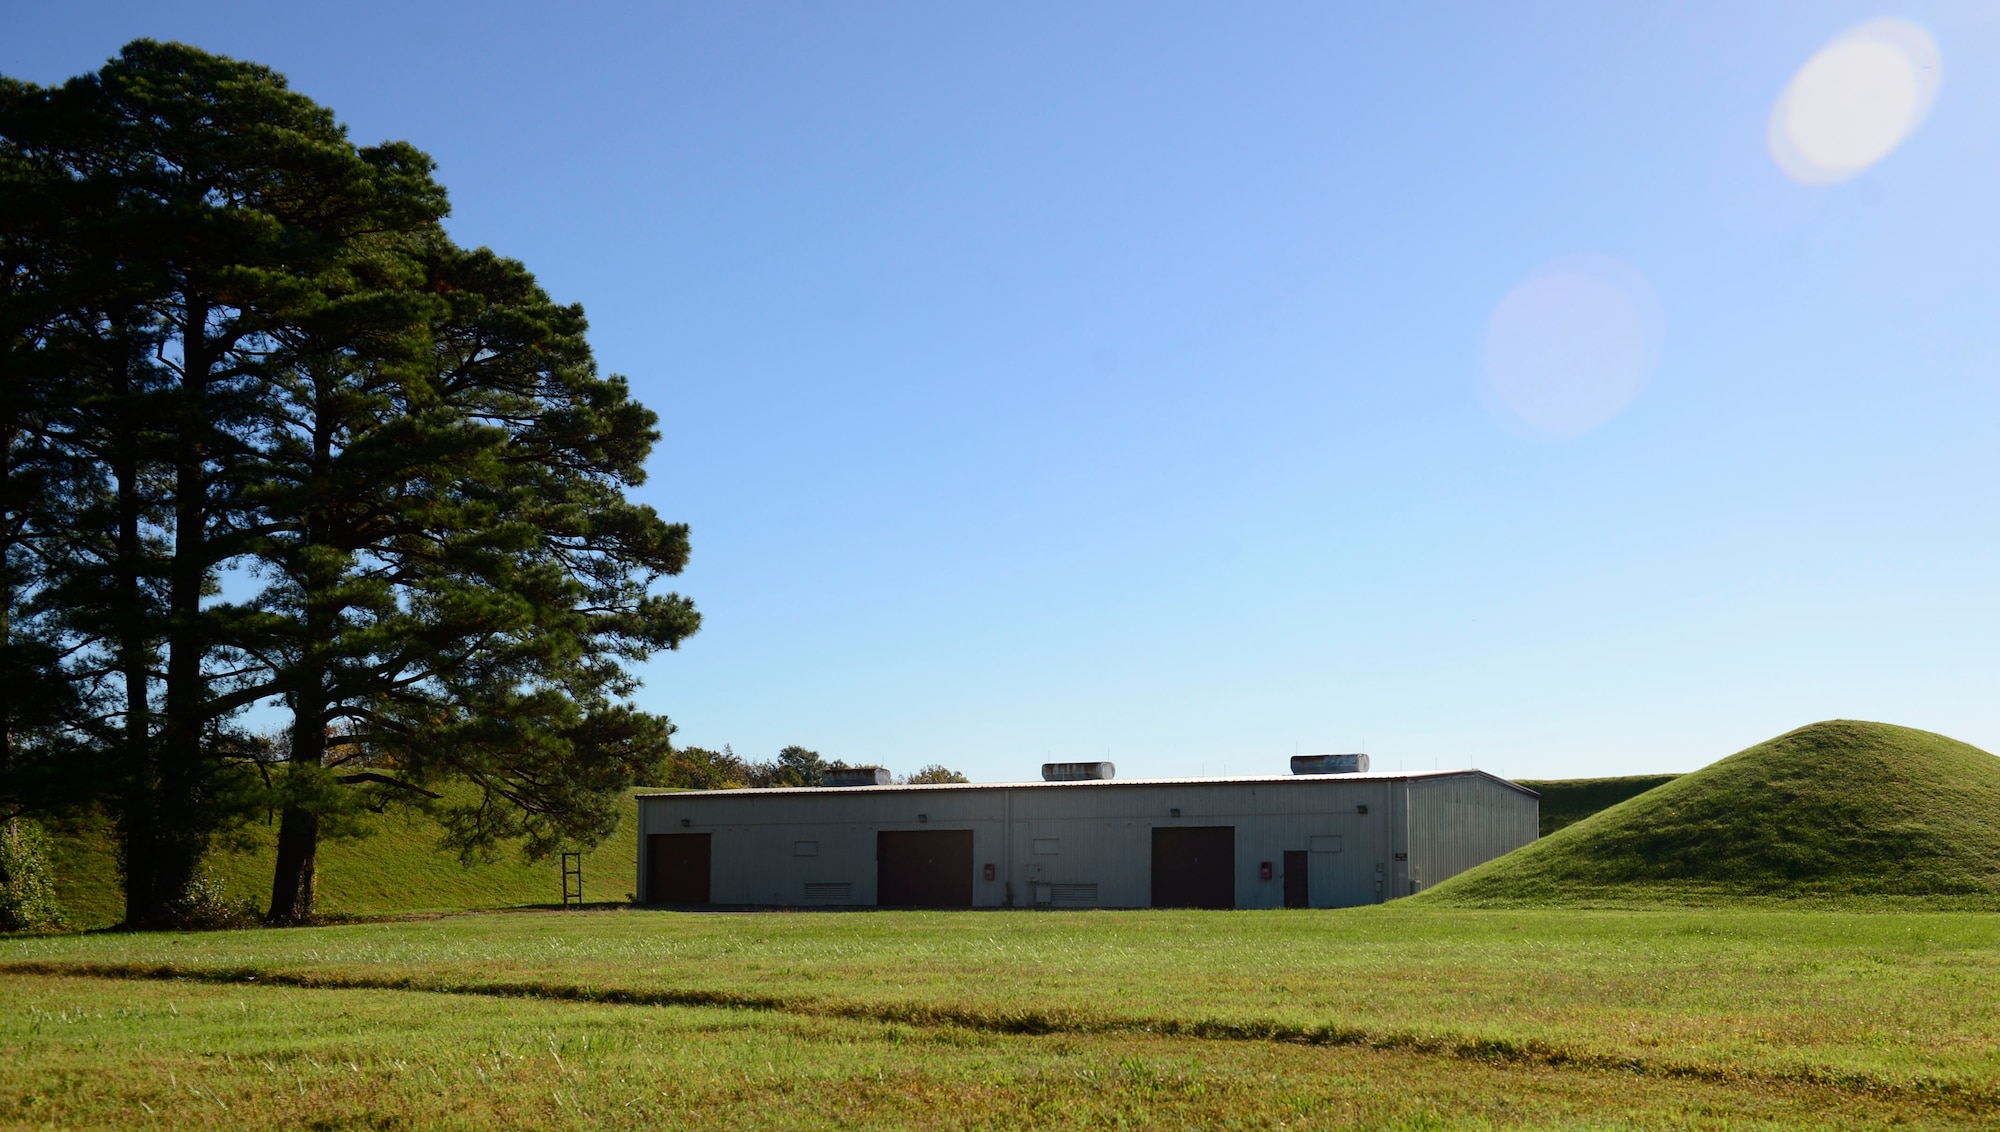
<point x="1566" y="801"/>
<point x="1834" y="810"/>
<point x="399" y="868"/>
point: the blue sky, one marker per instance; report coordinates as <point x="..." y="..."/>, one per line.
<point x="1080" y="381"/>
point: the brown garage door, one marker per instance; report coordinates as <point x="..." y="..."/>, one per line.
<point x="677" y="868"/>
<point x="927" y="868"/>
<point x="1194" y="866"/>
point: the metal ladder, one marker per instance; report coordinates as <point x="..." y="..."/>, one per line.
<point x="572" y="880"/>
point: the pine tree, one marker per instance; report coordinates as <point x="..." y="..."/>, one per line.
<point x="560" y="568"/>
<point x="234" y="336"/>
<point x="229" y="197"/>
<point x="428" y="624"/>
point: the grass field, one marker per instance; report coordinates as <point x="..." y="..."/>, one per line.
<point x="1832" y="811"/>
<point x="1797" y="936"/>
<point x="1566" y="801"/>
<point x="398" y="869"/>
<point x="1393" y="1016"/>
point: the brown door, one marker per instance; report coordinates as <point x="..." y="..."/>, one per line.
<point x="677" y="868"/>
<point x="1296" y="890"/>
<point x="923" y="868"/>
<point x="1194" y="866"/>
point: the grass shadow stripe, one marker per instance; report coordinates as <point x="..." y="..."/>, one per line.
<point x="1964" y="1095"/>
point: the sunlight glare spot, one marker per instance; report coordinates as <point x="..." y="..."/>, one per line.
<point x="1572" y="345"/>
<point x="1855" y="101"/>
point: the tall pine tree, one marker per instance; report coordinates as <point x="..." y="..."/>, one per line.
<point x="230" y="195"/>
<point x="234" y="336"/>
<point x="441" y="622"/>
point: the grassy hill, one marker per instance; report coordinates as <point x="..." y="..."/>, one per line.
<point x="1566" y="801"/>
<point x="1833" y="810"/>
<point x="398" y="869"/>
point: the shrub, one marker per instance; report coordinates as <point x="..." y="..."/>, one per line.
<point x="27" y="890"/>
<point x="205" y="906"/>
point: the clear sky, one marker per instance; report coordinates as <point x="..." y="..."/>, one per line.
<point x="1191" y="385"/>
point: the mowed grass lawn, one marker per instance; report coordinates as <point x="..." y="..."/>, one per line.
<point x="1395" y="1016"/>
<point x="397" y="868"/>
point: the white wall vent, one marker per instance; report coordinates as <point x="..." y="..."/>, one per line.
<point x="829" y="892"/>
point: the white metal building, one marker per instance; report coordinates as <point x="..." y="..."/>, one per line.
<point x="1320" y="841"/>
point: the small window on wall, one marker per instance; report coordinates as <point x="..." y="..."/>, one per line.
<point x="805" y="848"/>
<point x="1047" y="846"/>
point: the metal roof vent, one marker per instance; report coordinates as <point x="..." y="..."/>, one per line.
<point x="1329" y="764"/>
<point x="858" y="776"/>
<point x="1077" y="772"/>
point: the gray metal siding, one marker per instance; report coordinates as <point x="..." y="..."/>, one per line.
<point x="1100" y="834"/>
<point x="1457" y="823"/>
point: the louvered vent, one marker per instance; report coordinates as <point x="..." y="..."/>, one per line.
<point x="1330" y="764"/>
<point x="1077" y="772"/>
<point x="829" y="892"/>
<point x="1073" y="895"/>
<point x="858" y="776"/>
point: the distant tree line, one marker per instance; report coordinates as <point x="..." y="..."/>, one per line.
<point x="272" y="437"/>
<point x="697" y="768"/>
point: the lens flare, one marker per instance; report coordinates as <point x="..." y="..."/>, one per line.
<point x="1855" y="101"/>
<point x="1571" y="345"/>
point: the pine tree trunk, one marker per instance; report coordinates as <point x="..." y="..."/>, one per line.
<point x="7" y="709"/>
<point x="293" y="885"/>
<point x="181" y="833"/>
<point x="138" y="825"/>
<point x="294" y="896"/>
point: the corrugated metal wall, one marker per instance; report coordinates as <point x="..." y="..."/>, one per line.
<point x="1456" y="823"/>
<point x="1090" y="844"/>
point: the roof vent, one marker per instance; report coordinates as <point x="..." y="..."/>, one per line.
<point x="858" y="776"/>
<point x="1329" y="764"/>
<point x="1077" y="772"/>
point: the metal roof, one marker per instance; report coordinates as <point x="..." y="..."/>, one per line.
<point x="1104" y="783"/>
